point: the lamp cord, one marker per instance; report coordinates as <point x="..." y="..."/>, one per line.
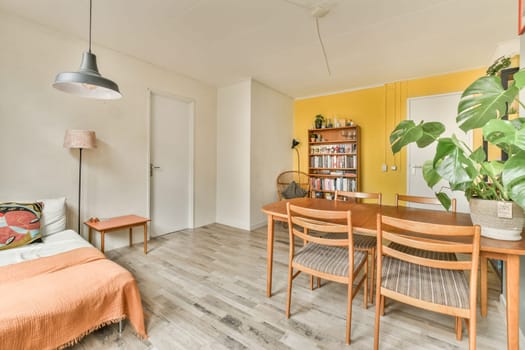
<point x="322" y="45"/>
<point x="90" y="10"/>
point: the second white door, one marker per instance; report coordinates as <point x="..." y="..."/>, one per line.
<point x="171" y="164"/>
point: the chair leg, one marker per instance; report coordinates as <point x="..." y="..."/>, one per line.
<point x="289" y="291"/>
<point x="459" y="328"/>
<point x="382" y="305"/>
<point x="372" y="254"/>
<point x="311" y="282"/>
<point x="365" y="286"/>
<point x="318" y="282"/>
<point x="379" y="299"/>
<point x="471" y="324"/>
<point x="349" y="312"/>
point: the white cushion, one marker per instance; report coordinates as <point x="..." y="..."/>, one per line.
<point x="53" y="216"/>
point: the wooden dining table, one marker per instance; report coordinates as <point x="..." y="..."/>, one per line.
<point x="364" y="218"/>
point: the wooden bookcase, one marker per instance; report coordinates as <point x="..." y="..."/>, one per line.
<point x="333" y="160"/>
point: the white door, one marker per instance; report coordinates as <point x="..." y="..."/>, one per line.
<point x="171" y="164"/>
<point x="441" y="108"/>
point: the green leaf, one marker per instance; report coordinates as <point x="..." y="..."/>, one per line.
<point x="405" y="133"/>
<point x="430" y="174"/>
<point x="450" y="162"/>
<point x="519" y="79"/>
<point x="483" y="100"/>
<point x="494" y="168"/>
<point x="517" y="193"/>
<point x="478" y="155"/>
<point x="444" y="199"/>
<point x="514" y="171"/>
<point x="431" y="131"/>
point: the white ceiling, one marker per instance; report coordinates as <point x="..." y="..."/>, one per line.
<point x="368" y="42"/>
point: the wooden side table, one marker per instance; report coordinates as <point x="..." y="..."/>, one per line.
<point x="118" y="223"/>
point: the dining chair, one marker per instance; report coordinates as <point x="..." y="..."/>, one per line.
<point x="427" y="281"/>
<point x="433" y="202"/>
<point x="331" y="259"/>
<point x="364" y="243"/>
<point x="423" y="200"/>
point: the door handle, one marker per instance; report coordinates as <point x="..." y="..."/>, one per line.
<point x="414" y="167"/>
<point x="151" y="167"/>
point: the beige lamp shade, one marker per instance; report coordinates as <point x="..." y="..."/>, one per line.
<point x="80" y="139"/>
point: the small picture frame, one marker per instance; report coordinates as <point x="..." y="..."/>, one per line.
<point x="521" y="16"/>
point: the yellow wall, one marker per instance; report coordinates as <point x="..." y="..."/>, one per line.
<point x="377" y="111"/>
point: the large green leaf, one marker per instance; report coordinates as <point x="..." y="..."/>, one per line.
<point x="450" y="162"/>
<point x="505" y="134"/>
<point x="483" y="100"/>
<point x="444" y="199"/>
<point x="430" y="174"/>
<point x="405" y="132"/>
<point x="494" y="168"/>
<point x="514" y="170"/>
<point x="478" y="155"/>
<point x="431" y="131"/>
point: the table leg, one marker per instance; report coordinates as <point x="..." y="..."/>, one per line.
<point x="513" y="301"/>
<point x="269" y="258"/>
<point x="130" y="236"/>
<point x="483" y="265"/>
<point x="145" y="238"/>
<point x="89" y="235"/>
<point x="102" y="241"/>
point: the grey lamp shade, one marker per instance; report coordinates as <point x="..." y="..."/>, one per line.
<point x="87" y="82"/>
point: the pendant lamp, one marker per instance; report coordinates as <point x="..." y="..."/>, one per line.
<point x="87" y="82"/>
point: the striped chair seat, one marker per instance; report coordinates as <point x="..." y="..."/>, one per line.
<point x="439" y="286"/>
<point x="327" y="259"/>
<point x="360" y="241"/>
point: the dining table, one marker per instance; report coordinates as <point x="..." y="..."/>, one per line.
<point x="364" y="221"/>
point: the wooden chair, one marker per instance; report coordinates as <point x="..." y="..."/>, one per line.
<point x="423" y="200"/>
<point x="427" y="281"/>
<point x="364" y="242"/>
<point x="433" y="202"/>
<point x="285" y="178"/>
<point x="330" y="259"/>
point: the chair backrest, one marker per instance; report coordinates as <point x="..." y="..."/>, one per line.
<point x="421" y="236"/>
<point x="302" y="221"/>
<point x="423" y="200"/>
<point x="355" y="196"/>
<point x="285" y="178"/>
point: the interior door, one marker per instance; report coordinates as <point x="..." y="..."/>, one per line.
<point x="441" y="108"/>
<point x="171" y="164"/>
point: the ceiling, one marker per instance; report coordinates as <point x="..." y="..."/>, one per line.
<point x="220" y="42"/>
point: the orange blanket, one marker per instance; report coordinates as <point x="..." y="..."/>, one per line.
<point x="53" y="302"/>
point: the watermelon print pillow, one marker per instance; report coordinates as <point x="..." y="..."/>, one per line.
<point x="19" y="223"/>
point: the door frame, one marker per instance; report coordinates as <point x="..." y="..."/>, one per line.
<point x="469" y="136"/>
<point x="191" y="150"/>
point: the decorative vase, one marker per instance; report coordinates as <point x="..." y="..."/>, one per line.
<point x="498" y="219"/>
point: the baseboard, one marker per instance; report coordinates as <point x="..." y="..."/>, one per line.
<point x="503" y="301"/>
<point x="258" y="225"/>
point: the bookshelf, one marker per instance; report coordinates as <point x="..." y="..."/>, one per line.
<point x="333" y="160"/>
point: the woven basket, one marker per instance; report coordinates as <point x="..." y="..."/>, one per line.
<point x="485" y="214"/>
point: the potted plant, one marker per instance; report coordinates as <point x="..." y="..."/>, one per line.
<point x="496" y="186"/>
<point x="319" y="119"/>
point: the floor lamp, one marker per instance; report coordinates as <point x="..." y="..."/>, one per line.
<point x="296" y="143"/>
<point x="81" y="139"/>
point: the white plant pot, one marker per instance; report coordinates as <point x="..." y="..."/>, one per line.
<point x="498" y="219"/>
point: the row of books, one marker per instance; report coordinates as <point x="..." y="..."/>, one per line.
<point x="333" y="161"/>
<point x="336" y="148"/>
<point x="339" y="184"/>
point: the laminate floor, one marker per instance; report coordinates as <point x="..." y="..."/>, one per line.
<point x="205" y="289"/>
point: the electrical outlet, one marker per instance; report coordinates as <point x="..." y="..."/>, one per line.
<point x="384" y="168"/>
<point x="393" y="167"/>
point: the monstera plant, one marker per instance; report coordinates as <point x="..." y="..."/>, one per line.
<point x="482" y="105"/>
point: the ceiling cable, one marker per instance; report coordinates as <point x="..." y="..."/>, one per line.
<point x="321" y="42"/>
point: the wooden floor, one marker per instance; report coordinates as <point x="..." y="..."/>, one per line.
<point x="205" y="289"/>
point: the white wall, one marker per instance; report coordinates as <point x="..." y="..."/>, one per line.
<point x="271" y="142"/>
<point x="254" y="139"/>
<point x="34" y="117"/>
<point x="233" y="155"/>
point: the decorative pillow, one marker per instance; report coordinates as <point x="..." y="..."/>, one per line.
<point x="19" y="223"/>
<point x="53" y="216"/>
<point x="293" y="190"/>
